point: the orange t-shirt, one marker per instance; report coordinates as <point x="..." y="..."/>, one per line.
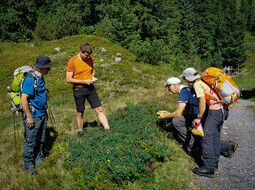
<point x="201" y="89"/>
<point x="80" y="69"/>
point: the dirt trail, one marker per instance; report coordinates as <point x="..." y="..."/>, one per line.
<point x="238" y="172"/>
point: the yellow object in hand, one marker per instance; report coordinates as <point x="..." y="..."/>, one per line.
<point x="198" y="130"/>
<point x="164" y="113"/>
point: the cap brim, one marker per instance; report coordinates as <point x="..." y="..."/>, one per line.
<point x="42" y="66"/>
<point x="181" y="76"/>
<point x="192" y="78"/>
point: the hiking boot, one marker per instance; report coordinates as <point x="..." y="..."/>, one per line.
<point x="79" y="133"/>
<point x="203" y="171"/>
<point x="108" y="130"/>
<point x="32" y="171"/>
<point x="232" y="149"/>
<point x="216" y="167"/>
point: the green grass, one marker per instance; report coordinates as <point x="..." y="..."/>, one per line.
<point x="129" y="82"/>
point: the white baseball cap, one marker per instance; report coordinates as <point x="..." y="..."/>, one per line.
<point x="190" y="74"/>
<point x="172" y="80"/>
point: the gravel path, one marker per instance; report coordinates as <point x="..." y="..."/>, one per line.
<point x="238" y="172"/>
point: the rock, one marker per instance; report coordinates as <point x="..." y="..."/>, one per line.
<point x="102" y="49"/>
<point x="112" y="94"/>
<point x="118" y="57"/>
<point x="57" y="49"/>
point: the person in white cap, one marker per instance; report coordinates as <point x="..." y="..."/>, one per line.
<point x="213" y="121"/>
<point x="187" y="103"/>
<point x="182" y="117"/>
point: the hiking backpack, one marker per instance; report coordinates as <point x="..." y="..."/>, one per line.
<point x="14" y="92"/>
<point x="223" y="85"/>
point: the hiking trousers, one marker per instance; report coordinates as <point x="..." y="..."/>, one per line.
<point x="211" y="143"/>
<point x="189" y="140"/>
<point x="34" y="140"/>
<point x="181" y="125"/>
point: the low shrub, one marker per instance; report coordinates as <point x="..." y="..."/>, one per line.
<point x="101" y="159"/>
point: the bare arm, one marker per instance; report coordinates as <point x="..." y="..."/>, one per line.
<point x="202" y="107"/>
<point x="24" y="104"/>
<point x="177" y="113"/>
<point x="70" y="79"/>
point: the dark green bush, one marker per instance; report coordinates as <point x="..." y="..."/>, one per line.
<point x="125" y="154"/>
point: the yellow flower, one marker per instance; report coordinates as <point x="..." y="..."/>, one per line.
<point x="108" y="160"/>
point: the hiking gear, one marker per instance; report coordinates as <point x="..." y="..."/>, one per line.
<point x="32" y="171"/>
<point x="172" y="80"/>
<point x="203" y="171"/>
<point x="14" y="92"/>
<point x="232" y="149"/>
<point x="226" y="89"/>
<point x="190" y="74"/>
<point x="108" y="130"/>
<point x="87" y="92"/>
<point x="79" y="133"/>
<point x="34" y="141"/>
<point x="43" y="62"/>
<point x="216" y="166"/>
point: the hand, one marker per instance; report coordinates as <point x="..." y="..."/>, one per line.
<point x="160" y="116"/>
<point x="89" y="82"/>
<point x="30" y="122"/>
<point x="196" y="121"/>
<point x="94" y="79"/>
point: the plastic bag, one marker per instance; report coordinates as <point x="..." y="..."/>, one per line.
<point x="198" y="130"/>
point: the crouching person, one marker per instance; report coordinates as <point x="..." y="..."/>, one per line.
<point x="182" y="118"/>
<point x="34" y="105"/>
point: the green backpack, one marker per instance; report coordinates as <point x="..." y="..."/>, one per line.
<point x="14" y="92"/>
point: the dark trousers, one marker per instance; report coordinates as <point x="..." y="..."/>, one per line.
<point x="34" y="140"/>
<point x="211" y="143"/>
<point x="188" y="139"/>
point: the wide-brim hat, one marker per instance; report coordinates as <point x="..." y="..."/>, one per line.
<point x="42" y="62"/>
<point x="190" y="74"/>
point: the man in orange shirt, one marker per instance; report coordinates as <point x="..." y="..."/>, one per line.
<point x="213" y="122"/>
<point x="81" y="73"/>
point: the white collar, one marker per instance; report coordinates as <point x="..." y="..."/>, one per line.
<point x="181" y="87"/>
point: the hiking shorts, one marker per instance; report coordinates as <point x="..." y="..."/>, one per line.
<point x="86" y="92"/>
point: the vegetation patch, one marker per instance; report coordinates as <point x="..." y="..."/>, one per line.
<point x="129" y="152"/>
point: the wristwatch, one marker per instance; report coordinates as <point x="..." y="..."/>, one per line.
<point x="199" y="117"/>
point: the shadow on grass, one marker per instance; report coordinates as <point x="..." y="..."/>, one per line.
<point x="90" y="124"/>
<point x="51" y="136"/>
<point x="248" y="94"/>
<point x="167" y="126"/>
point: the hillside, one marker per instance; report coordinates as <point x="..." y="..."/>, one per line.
<point x="121" y="85"/>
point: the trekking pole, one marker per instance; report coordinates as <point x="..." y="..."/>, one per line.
<point x="14" y="122"/>
<point x="51" y="117"/>
<point x="17" y="126"/>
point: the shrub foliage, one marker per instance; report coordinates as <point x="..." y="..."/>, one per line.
<point x="125" y="154"/>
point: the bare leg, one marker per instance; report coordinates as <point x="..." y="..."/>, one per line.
<point x="79" y="120"/>
<point x="102" y="117"/>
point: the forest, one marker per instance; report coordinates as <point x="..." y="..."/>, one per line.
<point x="179" y="32"/>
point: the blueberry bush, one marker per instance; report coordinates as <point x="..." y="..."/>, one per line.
<point x="105" y="159"/>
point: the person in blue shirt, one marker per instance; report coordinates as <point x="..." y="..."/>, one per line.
<point x="186" y="111"/>
<point x="34" y="106"/>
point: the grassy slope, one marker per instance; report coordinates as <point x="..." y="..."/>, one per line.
<point x="129" y="81"/>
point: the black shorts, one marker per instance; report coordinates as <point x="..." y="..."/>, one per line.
<point x="86" y="92"/>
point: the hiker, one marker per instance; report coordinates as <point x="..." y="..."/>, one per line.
<point x="34" y="105"/>
<point x="81" y="73"/>
<point x="212" y="125"/>
<point x="186" y="112"/>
